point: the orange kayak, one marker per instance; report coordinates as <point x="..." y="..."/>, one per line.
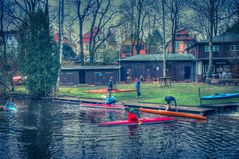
<point x="170" y="113"/>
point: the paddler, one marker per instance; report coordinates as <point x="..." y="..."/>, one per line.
<point x="133" y="115"/>
<point x="110" y="100"/>
<point x="169" y="99"/>
<point x="8" y="105"/>
<point x="110" y="85"/>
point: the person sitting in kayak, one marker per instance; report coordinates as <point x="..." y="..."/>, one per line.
<point x="169" y="99"/>
<point x="110" y="100"/>
<point x="9" y="105"/>
<point x="133" y="115"/>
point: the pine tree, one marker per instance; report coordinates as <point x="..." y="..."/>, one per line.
<point x="42" y="57"/>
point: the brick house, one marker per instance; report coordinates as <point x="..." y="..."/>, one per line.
<point x="225" y="56"/>
<point x="99" y="55"/>
<point x="182" y="41"/>
<point x="129" y="45"/>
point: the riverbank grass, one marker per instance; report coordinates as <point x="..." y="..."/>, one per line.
<point x="186" y="94"/>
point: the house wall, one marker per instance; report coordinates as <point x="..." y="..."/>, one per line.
<point x="101" y="77"/>
<point x="154" y="69"/>
<point x="223" y="60"/>
<point x="92" y="77"/>
<point x="69" y="77"/>
<point x="224" y="50"/>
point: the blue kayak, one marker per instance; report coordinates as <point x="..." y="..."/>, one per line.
<point x="10" y="106"/>
<point x="220" y="96"/>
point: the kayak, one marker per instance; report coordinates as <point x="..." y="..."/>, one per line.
<point x="170" y="113"/>
<point x="10" y="107"/>
<point x="141" y="121"/>
<point x="220" y="96"/>
<point x="107" y="106"/>
<point x="113" y="91"/>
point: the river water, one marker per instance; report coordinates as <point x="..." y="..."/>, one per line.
<point x="43" y="130"/>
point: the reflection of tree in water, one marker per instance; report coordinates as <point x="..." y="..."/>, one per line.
<point x="110" y="115"/>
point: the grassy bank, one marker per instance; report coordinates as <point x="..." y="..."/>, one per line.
<point x="185" y="93"/>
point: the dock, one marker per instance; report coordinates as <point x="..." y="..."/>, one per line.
<point x="186" y="109"/>
<point x="220" y="108"/>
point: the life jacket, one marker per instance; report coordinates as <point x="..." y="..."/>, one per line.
<point x="110" y="100"/>
<point x="132" y="117"/>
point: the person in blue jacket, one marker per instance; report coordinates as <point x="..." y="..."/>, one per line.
<point x="170" y="99"/>
<point x="110" y="85"/>
<point x="9" y="105"/>
<point x="137" y="85"/>
<point x="110" y="100"/>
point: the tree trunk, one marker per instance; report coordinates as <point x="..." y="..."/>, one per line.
<point x="164" y="47"/>
<point x="60" y="39"/>
<point x="211" y="32"/>
<point x="81" y="42"/>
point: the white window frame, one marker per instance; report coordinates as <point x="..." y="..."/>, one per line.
<point x="215" y="48"/>
<point x="205" y="68"/>
<point x="234" y="47"/>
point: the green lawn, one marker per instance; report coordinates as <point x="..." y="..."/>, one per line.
<point x="185" y="93"/>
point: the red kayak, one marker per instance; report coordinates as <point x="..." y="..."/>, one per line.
<point x="141" y="121"/>
<point x="107" y="106"/>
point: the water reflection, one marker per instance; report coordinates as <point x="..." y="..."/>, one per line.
<point x="50" y="130"/>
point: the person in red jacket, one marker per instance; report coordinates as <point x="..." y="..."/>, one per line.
<point x="133" y="115"/>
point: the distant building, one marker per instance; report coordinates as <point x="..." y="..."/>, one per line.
<point x="128" y="48"/>
<point x="225" y="56"/>
<point x="68" y="42"/>
<point x="93" y="75"/>
<point x="182" y="41"/>
<point x="99" y="54"/>
<point x="180" y="67"/>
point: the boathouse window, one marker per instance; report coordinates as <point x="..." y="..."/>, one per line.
<point x="205" y="68"/>
<point x="234" y="47"/>
<point x="215" y="48"/>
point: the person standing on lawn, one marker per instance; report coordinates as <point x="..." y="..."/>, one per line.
<point x="137" y="85"/>
<point x="110" y="85"/>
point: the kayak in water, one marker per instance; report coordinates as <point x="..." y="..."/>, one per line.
<point x="134" y="120"/>
<point x="171" y="113"/>
<point x="9" y="106"/>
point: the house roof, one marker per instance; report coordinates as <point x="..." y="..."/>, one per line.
<point x="225" y="37"/>
<point x="86" y="36"/>
<point x="159" y="57"/>
<point x="56" y="39"/>
<point x="184" y="35"/>
<point x="101" y="67"/>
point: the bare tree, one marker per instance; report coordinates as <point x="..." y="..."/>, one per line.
<point x="164" y="44"/>
<point x="83" y="10"/>
<point x="7" y="60"/>
<point x="208" y="11"/>
<point x="175" y="9"/>
<point x="102" y="15"/>
<point x="60" y="37"/>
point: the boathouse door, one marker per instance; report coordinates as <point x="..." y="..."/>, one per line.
<point x="187" y="72"/>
